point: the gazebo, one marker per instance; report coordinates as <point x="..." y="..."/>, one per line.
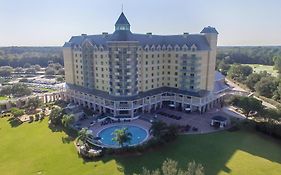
<point x="219" y="121"/>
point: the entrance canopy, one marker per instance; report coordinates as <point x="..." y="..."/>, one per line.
<point x="219" y="121"/>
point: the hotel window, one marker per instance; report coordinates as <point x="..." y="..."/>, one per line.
<point x="152" y="68"/>
<point x="146" y="62"/>
<point x="176" y="61"/>
<point x="169" y="61"/>
<point x="158" y="55"/>
<point x="152" y="55"/>
<point x="146" y="69"/>
<point x="169" y="55"/>
<point x="152" y="62"/>
<point x="168" y="72"/>
<point x="152" y="86"/>
<point x="176" y="73"/>
<point x="152" y="74"/>
<point x="146" y="56"/>
<point x="176" y="85"/>
<point x="76" y="55"/>
<point x="77" y="66"/>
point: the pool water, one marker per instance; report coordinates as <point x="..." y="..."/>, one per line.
<point x="138" y="135"/>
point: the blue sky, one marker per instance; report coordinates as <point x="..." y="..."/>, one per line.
<point x="52" y="22"/>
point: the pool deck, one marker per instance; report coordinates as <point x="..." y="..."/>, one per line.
<point x="96" y="128"/>
<point x="194" y="120"/>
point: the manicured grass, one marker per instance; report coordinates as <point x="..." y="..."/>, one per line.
<point x="35" y="149"/>
<point x="3" y="98"/>
<point x="259" y="68"/>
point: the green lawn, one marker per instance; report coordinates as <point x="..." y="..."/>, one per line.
<point x="3" y="98"/>
<point x="34" y="149"/>
<point x="259" y="67"/>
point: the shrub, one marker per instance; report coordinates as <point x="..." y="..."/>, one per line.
<point x="17" y="112"/>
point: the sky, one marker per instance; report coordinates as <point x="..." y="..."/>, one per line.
<point x="53" y="22"/>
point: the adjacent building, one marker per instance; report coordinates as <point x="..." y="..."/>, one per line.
<point x="126" y="74"/>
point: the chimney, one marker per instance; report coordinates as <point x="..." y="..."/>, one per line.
<point x="104" y="34"/>
<point x="149" y="34"/>
<point x="185" y="34"/>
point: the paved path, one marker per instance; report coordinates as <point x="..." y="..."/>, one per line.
<point x="236" y="87"/>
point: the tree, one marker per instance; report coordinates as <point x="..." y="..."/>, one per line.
<point x="17" y="90"/>
<point x="19" y="70"/>
<point x="61" y="71"/>
<point x="170" y="167"/>
<point x="223" y="67"/>
<point x="20" y="89"/>
<point x="33" y="103"/>
<point x="37" y="67"/>
<point x="252" y="79"/>
<point x="239" y="72"/>
<point x="27" y="65"/>
<point x="266" y="86"/>
<point x="83" y="134"/>
<point x="17" y="112"/>
<point x="59" y="79"/>
<point x="277" y="63"/>
<point x="56" y="115"/>
<point x="248" y="104"/>
<point x="158" y="129"/>
<point x="30" y="70"/>
<point x="67" y="120"/>
<point x="6" y="71"/>
<point x="50" y="71"/>
<point x="122" y="136"/>
<point x="6" y="91"/>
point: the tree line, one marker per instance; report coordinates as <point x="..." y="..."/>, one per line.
<point x="249" y="55"/>
<point x="19" y="56"/>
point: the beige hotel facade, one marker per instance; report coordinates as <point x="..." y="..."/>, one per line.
<point x="126" y="74"/>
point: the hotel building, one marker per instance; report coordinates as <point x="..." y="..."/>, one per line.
<point x="126" y="74"/>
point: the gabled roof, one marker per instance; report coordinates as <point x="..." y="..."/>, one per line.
<point x="122" y="20"/>
<point x="209" y="29"/>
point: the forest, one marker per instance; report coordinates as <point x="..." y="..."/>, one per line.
<point x="19" y="56"/>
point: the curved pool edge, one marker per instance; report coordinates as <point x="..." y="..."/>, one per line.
<point x="134" y="125"/>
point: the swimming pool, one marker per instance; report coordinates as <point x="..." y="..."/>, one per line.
<point x="139" y="135"/>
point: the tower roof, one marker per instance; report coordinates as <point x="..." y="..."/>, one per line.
<point x="209" y="29"/>
<point x="122" y="20"/>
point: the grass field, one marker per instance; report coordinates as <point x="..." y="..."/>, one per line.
<point x="258" y="68"/>
<point x="3" y="98"/>
<point x="34" y="149"/>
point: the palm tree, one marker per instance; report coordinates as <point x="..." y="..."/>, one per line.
<point x="67" y="120"/>
<point x="122" y="136"/>
<point x="83" y="134"/>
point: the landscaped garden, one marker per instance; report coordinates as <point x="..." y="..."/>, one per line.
<point x="32" y="148"/>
